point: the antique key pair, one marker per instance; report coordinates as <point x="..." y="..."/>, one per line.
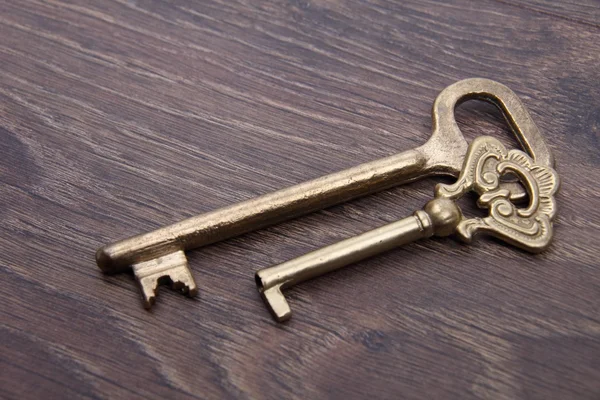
<point x="158" y="257"/>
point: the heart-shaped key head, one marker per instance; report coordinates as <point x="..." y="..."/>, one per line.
<point x="486" y="162"/>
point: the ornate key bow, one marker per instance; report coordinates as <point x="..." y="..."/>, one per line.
<point x="487" y="161"/>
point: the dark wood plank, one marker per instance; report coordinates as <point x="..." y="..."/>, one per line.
<point x="119" y="116"/>
<point x="578" y="11"/>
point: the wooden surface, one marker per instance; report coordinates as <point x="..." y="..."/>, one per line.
<point x="120" y="116"/>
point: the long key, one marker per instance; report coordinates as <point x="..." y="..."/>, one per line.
<point x="529" y="228"/>
<point x="158" y="257"/>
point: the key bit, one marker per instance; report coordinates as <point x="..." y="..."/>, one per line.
<point x="172" y="269"/>
<point x="487" y="160"/>
<point x="442" y="154"/>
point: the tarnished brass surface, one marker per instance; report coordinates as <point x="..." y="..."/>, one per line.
<point x="442" y="154"/>
<point x="487" y="160"/>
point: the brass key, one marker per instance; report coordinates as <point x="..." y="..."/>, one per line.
<point x="487" y="160"/>
<point x="158" y="257"/>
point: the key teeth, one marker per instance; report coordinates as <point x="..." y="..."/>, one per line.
<point x="148" y="287"/>
<point x="172" y="269"/>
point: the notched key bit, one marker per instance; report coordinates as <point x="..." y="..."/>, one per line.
<point x="172" y="269"/>
<point x="487" y="160"/>
<point x="157" y="257"/>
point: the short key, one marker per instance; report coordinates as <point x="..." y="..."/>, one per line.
<point x="487" y="160"/>
<point x="158" y="257"/>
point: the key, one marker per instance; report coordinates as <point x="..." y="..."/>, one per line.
<point x="158" y="257"/>
<point x="487" y="160"/>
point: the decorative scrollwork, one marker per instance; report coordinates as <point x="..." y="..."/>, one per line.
<point x="487" y="160"/>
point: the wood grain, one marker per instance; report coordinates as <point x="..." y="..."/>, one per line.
<point x="119" y="116"/>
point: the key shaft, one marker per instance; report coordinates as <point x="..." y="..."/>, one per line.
<point x="439" y="217"/>
<point x="263" y="211"/>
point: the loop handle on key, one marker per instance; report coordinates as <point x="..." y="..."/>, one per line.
<point x="447" y="140"/>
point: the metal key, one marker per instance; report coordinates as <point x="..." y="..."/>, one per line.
<point x="487" y="160"/>
<point x="158" y="257"/>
